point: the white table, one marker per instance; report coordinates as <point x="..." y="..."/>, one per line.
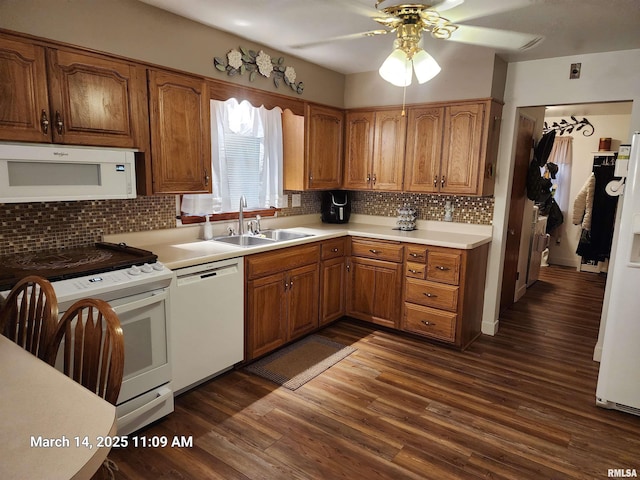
<point x="36" y="400"/>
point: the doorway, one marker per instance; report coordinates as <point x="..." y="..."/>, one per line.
<point x="610" y="119"/>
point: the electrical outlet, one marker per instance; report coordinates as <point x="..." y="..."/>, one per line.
<point x="575" y="71"/>
<point x="296" y="200"/>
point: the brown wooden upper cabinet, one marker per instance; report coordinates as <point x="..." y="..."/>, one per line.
<point x="374" y="150"/>
<point x="452" y="148"/>
<point x="313" y="148"/>
<point x="68" y="96"/>
<point x="180" y="134"/>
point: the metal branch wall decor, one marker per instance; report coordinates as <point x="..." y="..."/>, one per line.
<point x="564" y="126"/>
<point x="239" y="62"/>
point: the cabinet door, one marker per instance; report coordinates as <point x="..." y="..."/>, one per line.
<point x="324" y="147"/>
<point x="94" y="100"/>
<point x="424" y="149"/>
<point x="462" y="149"/>
<point x="266" y="314"/>
<point x="303" y="291"/>
<point x="388" y="151"/>
<point x="180" y="133"/>
<point x="24" y="102"/>
<point x="358" y="153"/>
<point x="332" y="290"/>
<point x="374" y="291"/>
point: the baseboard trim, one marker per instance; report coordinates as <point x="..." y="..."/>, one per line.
<point x="491" y="327"/>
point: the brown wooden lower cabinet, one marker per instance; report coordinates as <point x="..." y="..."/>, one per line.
<point x="333" y="281"/>
<point x="435" y="292"/>
<point x="444" y="293"/>
<point x="375" y="286"/>
<point x="282" y="298"/>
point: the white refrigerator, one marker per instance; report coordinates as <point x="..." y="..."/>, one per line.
<point x="619" y="375"/>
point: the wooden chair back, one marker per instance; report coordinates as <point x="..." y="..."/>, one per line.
<point x="30" y="314"/>
<point x="90" y="338"/>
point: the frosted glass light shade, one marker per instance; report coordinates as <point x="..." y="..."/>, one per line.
<point x="425" y="66"/>
<point x="396" y="69"/>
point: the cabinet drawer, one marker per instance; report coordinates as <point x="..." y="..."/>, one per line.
<point x="432" y="294"/>
<point x="443" y="267"/>
<point x="389" y="251"/>
<point x="333" y="248"/>
<point x="430" y="322"/>
<point x="416" y="253"/>
<point x="415" y="270"/>
<point x="262" y="264"/>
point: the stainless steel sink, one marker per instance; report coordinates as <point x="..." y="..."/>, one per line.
<point x="244" y="240"/>
<point x="264" y="238"/>
<point x="282" y="235"/>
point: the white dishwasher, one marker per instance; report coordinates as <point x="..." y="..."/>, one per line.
<point x="207" y="321"/>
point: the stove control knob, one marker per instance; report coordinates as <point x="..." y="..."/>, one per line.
<point x="146" y="268"/>
<point x="135" y="270"/>
<point x="159" y="266"/>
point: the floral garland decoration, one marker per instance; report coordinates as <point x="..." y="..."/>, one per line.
<point x="237" y="62"/>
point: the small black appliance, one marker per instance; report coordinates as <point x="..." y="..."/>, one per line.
<point x="336" y="207"/>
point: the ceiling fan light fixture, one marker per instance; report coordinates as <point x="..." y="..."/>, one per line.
<point x="397" y="69"/>
<point x="425" y="66"/>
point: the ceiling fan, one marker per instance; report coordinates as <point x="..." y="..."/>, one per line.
<point x="409" y="20"/>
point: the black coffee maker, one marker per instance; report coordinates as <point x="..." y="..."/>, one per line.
<point x="336" y="207"/>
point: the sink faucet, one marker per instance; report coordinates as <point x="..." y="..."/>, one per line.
<point x="243" y="204"/>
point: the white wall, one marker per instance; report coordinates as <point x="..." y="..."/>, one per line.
<point x="611" y="76"/>
<point x="562" y="250"/>
<point x="467" y="72"/>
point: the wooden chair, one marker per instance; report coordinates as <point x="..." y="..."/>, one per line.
<point x="30" y="314"/>
<point x="90" y="338"/>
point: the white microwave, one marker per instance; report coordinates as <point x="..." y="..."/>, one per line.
<point x="48" y="173"/>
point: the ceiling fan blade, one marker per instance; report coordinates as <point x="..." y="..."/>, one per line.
<point x="445" y="5"/>
<point x="483" y="8"/>
<point x="498" y="39"/>
<point x="350" y="36"/>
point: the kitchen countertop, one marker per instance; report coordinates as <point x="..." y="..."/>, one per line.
<point x="40" y="401"/>
<point x="184" y="247"/>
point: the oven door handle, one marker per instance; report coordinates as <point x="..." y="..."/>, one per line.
<point x="163" y="395"/>
<point x="155" y="297"/>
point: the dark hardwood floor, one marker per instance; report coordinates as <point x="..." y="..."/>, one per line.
<point x="519" y="405"/>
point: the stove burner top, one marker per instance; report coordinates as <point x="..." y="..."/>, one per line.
<point x="58" y="260"/>
<point x="63" y="264"/>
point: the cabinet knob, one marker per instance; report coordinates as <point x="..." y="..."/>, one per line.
<point x="44" y="122"/>
<point x="430" y="295"/>
<point x="206" y="178"/>
<point x="416" y="255"/>
<point x="374" y="251"/>
<point x="334" y="250"/>
<point x="427" y="323"/>
<point x="59" y="123"/>
<point x="442" y="181"/>
<point x="441" y="268"/>
<point x="374" y="178"/>
<point x="435" y="182"/>
<point x="368" y="177"/>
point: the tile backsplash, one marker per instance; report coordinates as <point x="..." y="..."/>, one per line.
<point x="30" y="227"/>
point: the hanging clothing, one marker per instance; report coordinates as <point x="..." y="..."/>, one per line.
<point x="597" y="244"/>
<point x="583" y="204"/>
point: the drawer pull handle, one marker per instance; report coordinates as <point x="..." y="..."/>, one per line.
<point x="374" y="251"/>
<point x="415" y="271"/>
<point x="428" y="324"/>
<point x="416" y="255"/>
<point x="334" y="250"/>
<point x="430" y="295"/>
<point x="444" y="269"/>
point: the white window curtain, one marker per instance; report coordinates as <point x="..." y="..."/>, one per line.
<point x="562" y="155"/>
<point x="246" y="157"/>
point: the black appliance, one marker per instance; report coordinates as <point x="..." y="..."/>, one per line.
<point x="336" y="207"/>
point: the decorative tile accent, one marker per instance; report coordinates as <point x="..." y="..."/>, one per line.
<point x="475" y="210"/>
<point x="30" y="227"/>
